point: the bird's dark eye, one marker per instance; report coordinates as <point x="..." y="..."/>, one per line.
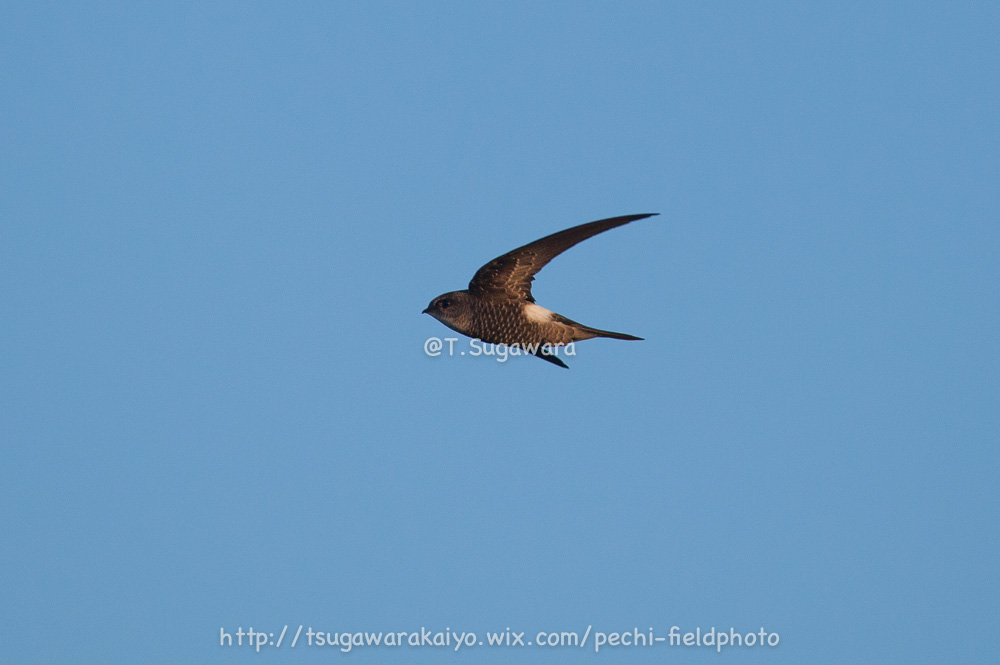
<point x="444" y="304"/>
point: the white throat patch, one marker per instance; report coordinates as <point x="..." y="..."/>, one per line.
<point x="537" y="313"/>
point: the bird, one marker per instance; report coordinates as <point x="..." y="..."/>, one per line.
<point x="498" y="306"/>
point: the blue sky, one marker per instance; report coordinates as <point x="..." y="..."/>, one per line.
<point x="222" y="220"/>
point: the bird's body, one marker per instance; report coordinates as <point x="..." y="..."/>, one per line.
<point x="525" y="324"/>
<point x="498" y="306"/>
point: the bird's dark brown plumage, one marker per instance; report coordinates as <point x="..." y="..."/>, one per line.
<point x="509" y="277"/>
<point x="498" y="306"/>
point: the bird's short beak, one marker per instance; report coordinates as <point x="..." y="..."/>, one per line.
<point x="426" y="311"/>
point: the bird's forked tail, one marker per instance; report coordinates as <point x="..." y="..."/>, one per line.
<point x="607" y="333"/>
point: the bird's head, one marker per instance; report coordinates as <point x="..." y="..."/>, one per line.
<point x="452" y="309"/>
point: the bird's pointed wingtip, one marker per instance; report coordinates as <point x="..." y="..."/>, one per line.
<point x="641" y="215"/>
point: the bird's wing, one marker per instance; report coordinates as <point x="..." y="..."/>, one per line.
<point x="552" y="358"/>
<point x="508" y="277"/>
